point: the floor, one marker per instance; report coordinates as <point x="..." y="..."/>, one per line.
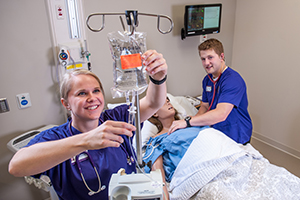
<point x="277" y="157"/>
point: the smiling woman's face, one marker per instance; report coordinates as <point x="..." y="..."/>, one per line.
<point x="85" y="99"/>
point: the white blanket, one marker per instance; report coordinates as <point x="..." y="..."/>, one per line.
<point x="216" y="167"/>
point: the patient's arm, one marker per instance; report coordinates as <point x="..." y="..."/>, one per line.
<point x="158" y="164"/>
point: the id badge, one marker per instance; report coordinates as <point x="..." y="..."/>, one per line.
<point x="208" y="88"/>
<point x="81" y="157"/>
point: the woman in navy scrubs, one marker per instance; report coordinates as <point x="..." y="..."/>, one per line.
<point x="81" y="155"/>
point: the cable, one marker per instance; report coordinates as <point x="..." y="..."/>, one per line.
<point x="73" y="61"/>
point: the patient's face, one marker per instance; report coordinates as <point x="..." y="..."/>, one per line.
<point x="167" y="111"/>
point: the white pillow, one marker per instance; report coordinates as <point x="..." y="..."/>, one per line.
<point x="148" y="130"/>
<point x="176" y="104"/>
<point x="182" y="105"/>
<point x="113" y="105"/>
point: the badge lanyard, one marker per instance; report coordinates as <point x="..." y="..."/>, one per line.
<point x="91" y="192"/>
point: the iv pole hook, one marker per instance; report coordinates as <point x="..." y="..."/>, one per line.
<point x="133" y="17"/>
<point x="132" y="20"/>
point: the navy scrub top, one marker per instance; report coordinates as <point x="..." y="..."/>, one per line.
<point x="66" y="178"/>
<point x="230" y="88"/>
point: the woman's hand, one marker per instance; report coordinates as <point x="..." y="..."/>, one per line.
<point x="155" y="64"/>
<point x="108" y="134"/>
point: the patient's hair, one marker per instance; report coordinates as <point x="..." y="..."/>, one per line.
<point x="66" y="83"/>
<point x="154" y="120"/>
<point x="212" y="44"/>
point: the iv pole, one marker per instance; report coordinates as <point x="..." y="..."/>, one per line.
<point x="132" y="22"/>
<point x="138" y="137"/>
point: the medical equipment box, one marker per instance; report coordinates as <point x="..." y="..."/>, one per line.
<point x="146" y="186"/>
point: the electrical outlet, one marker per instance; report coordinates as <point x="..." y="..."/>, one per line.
<point x="203" y="38"/>
<point x="4" y="105"/>
<point x="59" y="12"/>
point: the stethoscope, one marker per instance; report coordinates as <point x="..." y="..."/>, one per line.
<point x="214" y="89"/>
<point x="130" y="160"/>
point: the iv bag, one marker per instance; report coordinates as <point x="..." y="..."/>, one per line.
<point x="129" y="74"/>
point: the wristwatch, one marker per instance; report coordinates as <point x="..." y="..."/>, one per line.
<point x="187" y="120"/>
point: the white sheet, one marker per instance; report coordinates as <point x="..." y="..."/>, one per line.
<point x="215" y="167"/>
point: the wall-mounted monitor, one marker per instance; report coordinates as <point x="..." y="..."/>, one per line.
<point x="201" y="19"/>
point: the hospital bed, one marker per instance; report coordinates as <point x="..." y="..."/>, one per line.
<point x="216" y="167"/>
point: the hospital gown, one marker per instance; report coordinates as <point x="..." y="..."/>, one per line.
<point x="172" y="147"/>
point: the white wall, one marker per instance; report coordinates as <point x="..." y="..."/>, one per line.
<point x="27" y="64"/>
<point x="266" y="52"/>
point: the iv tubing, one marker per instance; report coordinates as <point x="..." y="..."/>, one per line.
<point x="143" y="172"/>
<point x="138" y="158"/>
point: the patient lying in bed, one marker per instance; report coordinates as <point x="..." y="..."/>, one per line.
<point x="171" y="147"/>
<point x="202" y="162"/>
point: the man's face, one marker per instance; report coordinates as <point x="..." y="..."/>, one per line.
<point x="212" y="62"/>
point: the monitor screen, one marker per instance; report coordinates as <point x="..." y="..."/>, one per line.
<point x="202" y="19"/>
